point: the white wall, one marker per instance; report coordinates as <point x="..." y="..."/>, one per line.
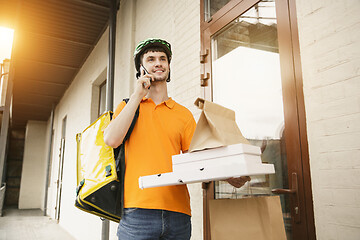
<point x="329" y="34"/>
<point x="32" y="186"/>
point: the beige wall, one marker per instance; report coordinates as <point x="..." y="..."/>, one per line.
<point x="32" y="186"/>
<point x="329" y="33"/>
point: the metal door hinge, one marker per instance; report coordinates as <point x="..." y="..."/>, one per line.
<point x="204" y="79"/>
<point x="203" y="56"/>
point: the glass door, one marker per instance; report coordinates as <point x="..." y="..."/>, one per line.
<point x="248" y="66"/>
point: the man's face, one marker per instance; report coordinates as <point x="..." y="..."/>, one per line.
<point x="157" y="64"/>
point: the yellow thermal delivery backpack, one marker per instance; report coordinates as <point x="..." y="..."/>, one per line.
<point x="100" y="171"/>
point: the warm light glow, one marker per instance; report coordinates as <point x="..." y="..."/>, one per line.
<point x="6" y="40"/>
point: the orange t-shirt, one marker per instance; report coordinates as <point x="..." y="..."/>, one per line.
<point x="161" y="131"/>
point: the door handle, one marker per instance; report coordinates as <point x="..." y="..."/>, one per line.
<point x="283" y="191"/>
<point x="293" y="190"/>
<point x="294" y="196"/>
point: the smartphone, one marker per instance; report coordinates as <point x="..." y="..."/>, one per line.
<point x="142" y="68"/>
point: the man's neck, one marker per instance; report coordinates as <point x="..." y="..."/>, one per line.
<point x="158" y="92"/>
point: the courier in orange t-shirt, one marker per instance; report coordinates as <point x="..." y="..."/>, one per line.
<point x="163" y="128"/>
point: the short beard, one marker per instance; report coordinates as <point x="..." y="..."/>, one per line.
<point x="160" y="79"/>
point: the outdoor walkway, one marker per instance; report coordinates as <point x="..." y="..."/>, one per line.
<point x="18" y="224"/>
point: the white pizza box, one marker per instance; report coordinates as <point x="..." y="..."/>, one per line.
<point x="212" y="173"/>
<point x="218" y="151"/>
<point x="226" y="155"/>
<point x="205" y="174"/>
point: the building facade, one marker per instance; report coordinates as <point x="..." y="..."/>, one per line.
<point x="315" y="47"/>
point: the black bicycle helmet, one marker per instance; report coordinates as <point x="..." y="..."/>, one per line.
<point x="148" y="43"/>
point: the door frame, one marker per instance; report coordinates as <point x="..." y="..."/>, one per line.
<point x="59" y="180"/>
<point x="293" y="98"/>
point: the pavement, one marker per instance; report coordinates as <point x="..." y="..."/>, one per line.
<point x="30" y="224"/>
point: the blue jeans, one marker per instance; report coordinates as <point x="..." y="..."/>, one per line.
<point x="152" y="224"/>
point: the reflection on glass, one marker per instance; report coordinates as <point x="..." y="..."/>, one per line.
<point x="212" y="6"/>
<point x="247" y="79"/>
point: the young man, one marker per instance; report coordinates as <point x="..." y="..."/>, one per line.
<point x="163" y="128"/>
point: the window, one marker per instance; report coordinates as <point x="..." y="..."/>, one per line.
<point x="98" y="96"/>
<point x="102" y="98"/>
<point x="212" y="6"/>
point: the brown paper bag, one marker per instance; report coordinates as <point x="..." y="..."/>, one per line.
<point x="258" y="218"/>
<point x="216" y="127"/>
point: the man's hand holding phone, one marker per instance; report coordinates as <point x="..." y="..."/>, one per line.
<point x="146" y="74"/>
<point x="143" y="82"/>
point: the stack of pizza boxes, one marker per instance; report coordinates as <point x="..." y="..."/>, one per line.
<point x="217" y="151"/>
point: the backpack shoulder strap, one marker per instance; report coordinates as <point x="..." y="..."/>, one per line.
<point x="136" y="115"/>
